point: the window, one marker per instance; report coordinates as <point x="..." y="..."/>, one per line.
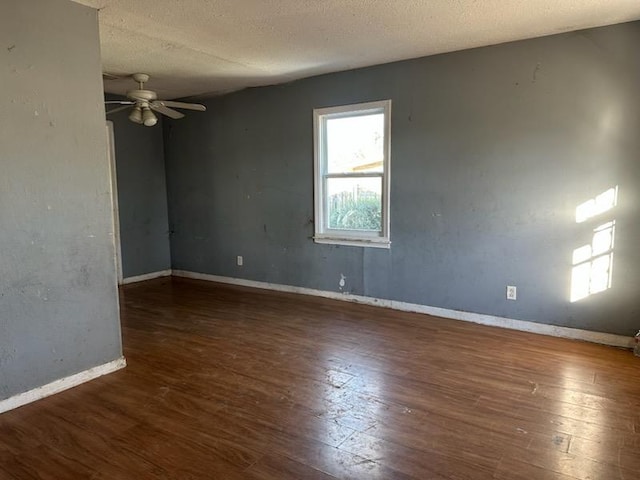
<point x="352" y="174"/>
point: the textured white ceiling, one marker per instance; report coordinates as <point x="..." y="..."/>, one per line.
<point x="194" y="47"/>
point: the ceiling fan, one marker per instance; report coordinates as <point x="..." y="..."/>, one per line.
<point x="144" y="101"/>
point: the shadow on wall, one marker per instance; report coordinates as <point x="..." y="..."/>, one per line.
<point x="593" y="262"/>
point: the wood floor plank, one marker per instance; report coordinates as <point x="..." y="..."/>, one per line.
<point x="278" y="467"/>
<point x="433" y="459"/>
<point x="238" y="383"/>
<point x="513" y="469"/>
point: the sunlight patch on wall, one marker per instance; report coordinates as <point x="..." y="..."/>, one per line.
<point x="597" y="205"/>
<point x="593" y="262"/>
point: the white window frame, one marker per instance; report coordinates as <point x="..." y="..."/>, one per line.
<point x="323" y="234"/>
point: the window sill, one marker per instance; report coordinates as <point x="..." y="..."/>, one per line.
<point x="355" y="242"/>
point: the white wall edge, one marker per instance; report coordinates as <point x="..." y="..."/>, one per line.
<point x="60" y="385"/>
<point x="146" y="276"/>
<point x="480" y="318"/>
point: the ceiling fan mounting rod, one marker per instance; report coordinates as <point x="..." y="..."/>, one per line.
<point x="140" y="78"/>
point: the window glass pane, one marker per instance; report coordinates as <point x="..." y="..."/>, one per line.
<point x="354" y="203"/>
<point x="355" y="144"/>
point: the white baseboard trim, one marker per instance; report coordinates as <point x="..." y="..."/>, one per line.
<point x="146" y="276"/>
<point x="480" y="318"/>
<point x="60" y="385"/>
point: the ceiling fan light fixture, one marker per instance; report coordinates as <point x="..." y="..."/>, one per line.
<point x="148" y="117"/>
<point x="136" y="115"/>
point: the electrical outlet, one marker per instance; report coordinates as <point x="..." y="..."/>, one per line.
<point x="239" y="260"/>
<point x="511" y="292"/>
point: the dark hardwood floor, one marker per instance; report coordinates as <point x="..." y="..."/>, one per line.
<point x="234" y="383"/>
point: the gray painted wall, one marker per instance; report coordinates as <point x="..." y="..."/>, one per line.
<point x="142" y="196"/>
<point x="58" y="298"/>
<point x="492" y="150"/>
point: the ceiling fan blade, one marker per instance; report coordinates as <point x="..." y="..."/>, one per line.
<point x="110" y="76"/>
<point x="114" y="110"/>
<point x="169" y="112"/>
<point x="119" y="102"/>
<point x="186" y="106"/>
